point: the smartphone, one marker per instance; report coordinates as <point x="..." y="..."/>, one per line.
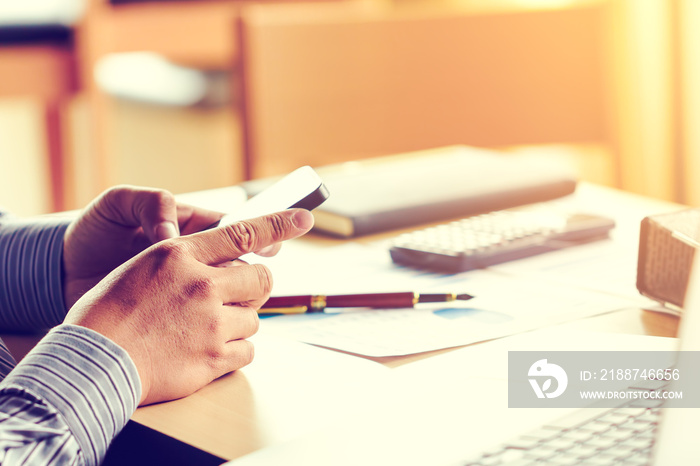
<point x="302" y="188"/>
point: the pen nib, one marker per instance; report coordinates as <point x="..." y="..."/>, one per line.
<point x="463" y="297"/>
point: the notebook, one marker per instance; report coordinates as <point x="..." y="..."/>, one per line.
<point x="396" y="191"/>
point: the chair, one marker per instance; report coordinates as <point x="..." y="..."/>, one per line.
<point x="322" y="85"/>
<point x="196" y="35"/>
<point x="37" y="63"/>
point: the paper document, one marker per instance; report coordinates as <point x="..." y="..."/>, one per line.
<point x="503" y="305"/>
<point x="605" y="266"/>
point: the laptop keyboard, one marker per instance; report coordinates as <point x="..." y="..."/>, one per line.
<point x="591" y="436"/>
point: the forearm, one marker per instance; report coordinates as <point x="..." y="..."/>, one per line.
<point x="31" y="290"/>
<point x="67" y="399"/>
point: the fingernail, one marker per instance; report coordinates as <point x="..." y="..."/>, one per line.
<point x="303" y="219"/>
<point x="166" y="230"/>
<point x="265" y="250"/>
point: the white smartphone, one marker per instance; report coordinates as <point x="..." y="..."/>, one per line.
<point x="302" y="188"/>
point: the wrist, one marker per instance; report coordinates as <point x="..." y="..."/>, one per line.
<point x="99" y="318"/>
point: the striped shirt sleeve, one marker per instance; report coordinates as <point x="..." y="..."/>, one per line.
<point x="67" y="399"/>
<point x="73" y="393"/>
<point x="31" y="289"/>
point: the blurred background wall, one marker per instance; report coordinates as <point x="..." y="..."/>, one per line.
<point x="197" y="94"/>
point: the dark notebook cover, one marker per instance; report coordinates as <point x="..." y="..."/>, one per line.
<point x="387" y="193"/>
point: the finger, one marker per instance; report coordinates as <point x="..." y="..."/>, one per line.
<point x="242" y="322"/>
<point x="232" y="356"/>
<point x="244" y="284"/>
<point x="153" y="209"/>
<point x="269" y="251"/>
<point x="192" y="219"/>
<point x="238" y="354"/>
<point x="232" y="241"/>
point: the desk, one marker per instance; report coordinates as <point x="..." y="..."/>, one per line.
<point x="291" y="390"/>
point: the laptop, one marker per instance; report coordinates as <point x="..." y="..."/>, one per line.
<point x="676" y="441"/>
<point x="423" y="432"/>
<point x="633" y="433"/>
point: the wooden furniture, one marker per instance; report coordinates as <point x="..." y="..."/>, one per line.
<point x="194" y="33"/>
<point x="41" y="68"/>
<point x="333" y="81"/>
<point x="341" y="82"/>
<point x="631" y="57"/>
<point x="292" y="390"/>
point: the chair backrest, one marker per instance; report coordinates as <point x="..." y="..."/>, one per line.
<point x="38" y="81"/>
<point x="334" y="82"/>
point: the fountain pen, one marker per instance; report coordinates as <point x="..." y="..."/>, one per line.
<point x="317" y="303"/>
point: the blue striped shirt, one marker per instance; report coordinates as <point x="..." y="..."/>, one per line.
<point x="72" y="394"/>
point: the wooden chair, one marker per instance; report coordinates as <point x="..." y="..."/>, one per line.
<point x="199" y="34"/>
<point x="192" y="33"/>
<point x="322" y="85"/>
<point x="38" y="63"/>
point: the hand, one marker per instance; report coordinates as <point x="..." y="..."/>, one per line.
<point x="182" y="319"/>
<point x="119" y="224"/>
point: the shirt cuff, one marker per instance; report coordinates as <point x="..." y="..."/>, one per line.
<point x="31" y="273"/>
<point x="90" y="380"/>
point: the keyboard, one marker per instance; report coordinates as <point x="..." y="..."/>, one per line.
<point x="621" y="435"/>
<point x="494" y="238"/>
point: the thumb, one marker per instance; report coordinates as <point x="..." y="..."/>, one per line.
<point x="155" y="210"/>
<point x="157" y="213"/>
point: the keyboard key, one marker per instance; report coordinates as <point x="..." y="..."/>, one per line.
<point x="582" y="451"/>
<point x="618" y="434"/>
<point x="598" y="460"/>
<point x="620" y="451"/>
<point x="638" y="443"/>
<point x="577" y="418"/>
<point x="647" y="403"/>
<point x="638" y="459"/>
<point x="647" y="417"/>
<point x="562" y="460"/>
<point x="648" y="434"/>
<point x="600" y="443"/>
<point x="597" y="427"/>
<point x="577" y="435"/>
<point x="558" y="444"/>
<point x="540" y="453"/>
<point x="615" y="418"/>
<point x="631" y="425"/>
